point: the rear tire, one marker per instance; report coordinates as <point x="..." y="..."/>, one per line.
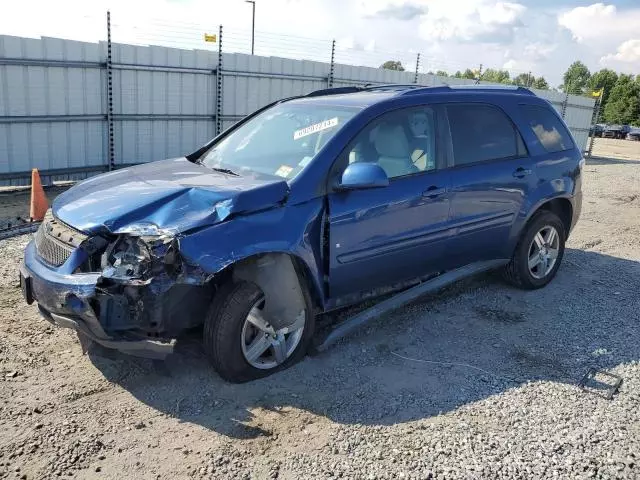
<point x="225" y="329"/>
<point x="539" y="252"/>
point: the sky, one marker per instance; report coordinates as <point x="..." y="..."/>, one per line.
<point x="541" y="36"/>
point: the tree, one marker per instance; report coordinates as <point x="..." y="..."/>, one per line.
<point x="524" y="80"/>
<point x="623" y="104"/>
<point x="458" y="74"/>
<point x="576" y="78"/>
<point x="393" y="65"/>
<point x="540" y="83"/>
<point x="442" y="73"/>
<point x="495" y="76"/>
<point x="468" y="73"/>
<point x="604" y="79"/>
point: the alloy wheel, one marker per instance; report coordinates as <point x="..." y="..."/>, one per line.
<point x="543" y="252"/>
<point x="264" y="347"/>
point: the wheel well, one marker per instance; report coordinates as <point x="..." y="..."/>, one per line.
<point x="563" y="209"/>
<point x="305" y="278"/>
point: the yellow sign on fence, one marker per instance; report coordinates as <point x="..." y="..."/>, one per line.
<point x="208" y="37"/>
<point x="597" y="93"/>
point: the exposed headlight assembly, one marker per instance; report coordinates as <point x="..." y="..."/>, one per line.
<point x="141" y="252"/>
<point x="145" y="229"/>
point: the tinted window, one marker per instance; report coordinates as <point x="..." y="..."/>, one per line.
<point x="482" y="132"/>
<point x="548" y="128"/>
<point x="402" y="142"/>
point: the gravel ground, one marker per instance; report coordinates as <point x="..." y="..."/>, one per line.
<point x="478" y="381"/>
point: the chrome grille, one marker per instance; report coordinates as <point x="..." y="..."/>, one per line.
<point x="55" y="241"/>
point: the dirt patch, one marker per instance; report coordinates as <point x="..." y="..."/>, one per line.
<point x="499" y="315"/>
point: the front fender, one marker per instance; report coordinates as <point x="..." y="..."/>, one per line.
<point x="291" y="229"/>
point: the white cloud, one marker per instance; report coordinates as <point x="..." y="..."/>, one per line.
<point x="526" y="59"/>
<point x="538" y="51"/>
<point x="351" y="43"/>
<point x="600" y="22"/>
<point x="469" y="20"/>
<point x="627" y="52"/>
<point x="403" y="11"/>
<point x="510" y="64"/>
<point x="449" y="34"/>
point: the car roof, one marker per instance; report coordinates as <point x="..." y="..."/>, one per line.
<point x="368" y="95"/>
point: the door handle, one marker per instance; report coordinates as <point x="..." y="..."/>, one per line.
<point x="521" y="172"/>
<point x="433" y="192"/>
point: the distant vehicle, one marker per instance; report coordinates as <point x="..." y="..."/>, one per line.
<point x="309" y="205"/>
<point x="625" y="130"/>
<point x="596" y="130"/>
<point x="634" y="134"/>
<point x="615" y="131"/>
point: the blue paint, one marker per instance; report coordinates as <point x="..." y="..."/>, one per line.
<point x="359" y="176"/>
<point x="175" y="195"/>
<point x="377" y="231"/>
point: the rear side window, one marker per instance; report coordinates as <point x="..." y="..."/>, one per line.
<point x="482" y="132"/>
<point x="552" y="134"/>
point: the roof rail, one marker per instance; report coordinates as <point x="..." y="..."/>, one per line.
<point x="366" y="87"/>
<point x="392" y="86"/>
<point x="414" y="89"/>
<point x="334" y="91"/>
<point x="510" y="88"/>
<point x="452" y="88"/>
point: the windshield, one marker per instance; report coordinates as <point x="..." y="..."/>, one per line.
<point x="279" y="141"/>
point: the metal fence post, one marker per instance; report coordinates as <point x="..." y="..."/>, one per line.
<point x="415" y="78"/>
<point x="332" y="65"/>
<point x="479" y="75"/>
<point x="219" y="85"/>
<point x="564" y="104"/>
<point x="110" y="127"/>
<point x="595" y="117"/>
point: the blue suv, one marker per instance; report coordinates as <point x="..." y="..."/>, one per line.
<point x="309" y="205"/>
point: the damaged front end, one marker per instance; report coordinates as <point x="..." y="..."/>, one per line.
<point x="147" y="285"/>
<point x="130" y="290"/>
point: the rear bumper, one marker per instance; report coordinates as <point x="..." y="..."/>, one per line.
<point x="66" y="301"/>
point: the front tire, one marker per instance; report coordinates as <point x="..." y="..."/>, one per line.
<point x="241" y="345"/>
<point x="539" y="252"/>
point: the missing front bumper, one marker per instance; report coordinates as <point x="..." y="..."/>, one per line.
<point x="69" y="301"/>
<point x="147" y="348"/>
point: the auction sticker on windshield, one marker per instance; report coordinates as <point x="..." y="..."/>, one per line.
<point x="317" y="127"/>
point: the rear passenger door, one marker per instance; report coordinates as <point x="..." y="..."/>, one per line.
<point x="491" y="176"/>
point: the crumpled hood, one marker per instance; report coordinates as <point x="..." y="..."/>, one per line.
<point x="175" y="194"/>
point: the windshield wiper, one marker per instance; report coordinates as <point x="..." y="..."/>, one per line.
<point x="225" y="170"/>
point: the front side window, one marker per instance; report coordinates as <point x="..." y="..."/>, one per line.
<point x="552" y="134"/>
<point x="480" y="133"/>
<point x="279" y="141"/>
<point x="402" y="142"/>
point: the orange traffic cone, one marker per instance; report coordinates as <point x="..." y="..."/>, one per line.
<point x="39" y="203"/>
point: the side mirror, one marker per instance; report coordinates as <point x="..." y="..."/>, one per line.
<point x="363" y="175"/>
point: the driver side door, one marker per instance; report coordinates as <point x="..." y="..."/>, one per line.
<point x="382" y="236"/>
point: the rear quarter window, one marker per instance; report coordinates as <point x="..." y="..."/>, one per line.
<point x="548" y="128"/>
<point x="480" y="133"/>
